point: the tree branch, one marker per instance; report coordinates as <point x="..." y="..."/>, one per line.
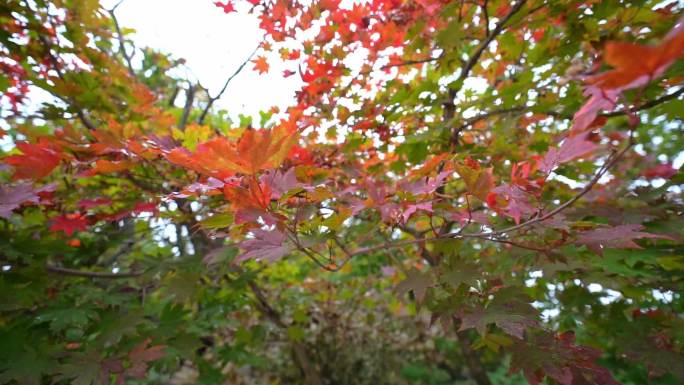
<point x="648" y="105"/>
<point x="497" y="30"/>
<point x="493" y="236"/>
<point x="450" y="108"/>
<point x="120" y="38"/>
<point x="90" y="274"/>
<point x="602" y="171"/>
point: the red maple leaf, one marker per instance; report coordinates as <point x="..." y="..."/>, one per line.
<point x="227" y="7"/>
<point x="69" y="223"/>
<point x="544" y="354"/>
<point x="573" y="147"/>
<point x="510" y="200"/>
<point x="86" y="204"/>
<point x="268" y="245"/>
<point x="260" y="64"/>
<point x="618" y="237"/>
<point x="36" y="161"/>
<point x="665" y="171"/>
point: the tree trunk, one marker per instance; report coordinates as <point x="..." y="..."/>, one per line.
<point x="301" y="356"/>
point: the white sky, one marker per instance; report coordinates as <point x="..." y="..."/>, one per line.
<point x="213" y="44"/>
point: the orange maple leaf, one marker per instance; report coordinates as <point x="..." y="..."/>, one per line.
<point x="256" y="150"/>
<point x="256" y="197"/>
<point x="260" y="64"/>
<point x="263" y="149"/>
<point x="635" y="64"/>
<point x="104" y="166"/>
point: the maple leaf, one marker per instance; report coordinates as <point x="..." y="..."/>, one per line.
<point x="665" y="171"/>
<point x="628" y="73"/>
<point x="510" y="310"/>
<point x="90" y="203"/>
<point x="260" y="64"/>
<point x="82" y="369"/>
<point x="413" y="208"/>
<point x="479" y="182"/>
<point x="36" y="161"/>
<point x="227" y="7"/>
<point x="556" y="356"/>
<point x="69" y="223"/>
<point x="460" y="273"/>
<point x="618" y="237"/>
<point x="464" y="217"/>
<point x="599" y="99"/>
<point x="206" y="187"/>
<point x="12" y="197"/>
<point x="211" y="158"/>
<point x="140" y="356"/>
<point x="572" y="147"/>
<point x="280" y="182"/>
<point x="652" y="61"/>
<point x="424" y="185"/>
<point x="416" y="281"/>
<point x="378" y="192"/>
<point x="262" y="149"/>
<point x="266" y="245"/>
<point x="104" y="166"/>
<point x="257" y="196"/>
<point x="517" y="202"/>
<point x="144" y="207"/>
<point x="431" y="6"/>
<point x="256" y="150"/>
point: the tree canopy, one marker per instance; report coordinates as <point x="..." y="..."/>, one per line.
<point x="461" y="192"/>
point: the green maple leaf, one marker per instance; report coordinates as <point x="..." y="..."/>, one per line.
<point x="61" y="319"/>
<point x="510" y="310"/>
<point x="416" y="281"/>
<point x="82" y="369"/>
<point x="460" y="273"/>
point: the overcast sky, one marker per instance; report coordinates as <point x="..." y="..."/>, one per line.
<point x="213" y="44"/>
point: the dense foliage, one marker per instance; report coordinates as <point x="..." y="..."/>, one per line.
<point x="462" y="192"/>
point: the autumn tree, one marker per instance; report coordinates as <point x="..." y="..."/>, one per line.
<point x="462" y="192"/>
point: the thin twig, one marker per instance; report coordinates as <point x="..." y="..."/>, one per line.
<point x="90" y="274"/>
<point x="648" y="105"/>
<point x="602" y="171"/>
<point x="497" y="30"/>
<point x="213" y="99"/>
<point x="450" y="107"/>
<point x="120" y="38"/>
